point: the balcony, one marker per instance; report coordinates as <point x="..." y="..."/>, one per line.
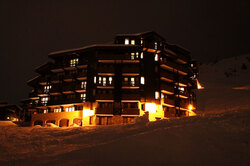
<point x="81" y="76"/>
<point x="168" y="77"/>
<point x="171" y="66"/>
<point x="104" y="111"/>
<point x="56" y="78"/>
<point x="169" y="102"/>
<point x="103" y="69"/>
<point x="104" y="96"/>
<point x="68" y="89"/>
<point x="135" y="96"/>
<point x="131" y="69"/>
<point x="55" y="90"/>
<point x="130" y="85"/>
<point x="57" y="68"/>
<point x="167" y="89"/>
<point x="130" y="111"/>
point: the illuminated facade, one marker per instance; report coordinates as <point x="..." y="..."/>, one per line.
<point x="115" y="83"/>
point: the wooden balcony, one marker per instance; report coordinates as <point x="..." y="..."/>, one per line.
<point x="109" y="69"/>
<point x="81" y="76"/>
<point x="169" y="102"/>
<point x="165" y="76"/>
<point x="167" y="89"/>
<point x="174" y="67"/>
<point x="135" y="96"/>
<point x="104" y="97"/>
<point x="130" y="111"/>
<point x="104" y="111"/>
<point x="131" y="69"/>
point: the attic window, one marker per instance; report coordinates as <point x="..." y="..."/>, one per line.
<point x="126" y="41"/>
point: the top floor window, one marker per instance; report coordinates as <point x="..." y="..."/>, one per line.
<point x="74" y="62"/>
<point x="133" y="42"/>
<point x="126" y="41"/>
<point x="47" y="88"/>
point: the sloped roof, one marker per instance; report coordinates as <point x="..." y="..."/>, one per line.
<point x="142" y="34"/>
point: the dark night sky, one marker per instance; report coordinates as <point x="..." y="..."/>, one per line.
<point x="29" y="30"/>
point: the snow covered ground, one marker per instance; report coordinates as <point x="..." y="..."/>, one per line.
<point x="227" y="85"/>
<point x="219" y="135"/>
<point x="212" y="139"/>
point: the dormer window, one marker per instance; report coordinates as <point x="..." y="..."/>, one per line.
<point x="74" y="62"/>
<point x="126" y="41"/>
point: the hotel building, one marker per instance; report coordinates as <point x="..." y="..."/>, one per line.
<point x="104" y="84"/>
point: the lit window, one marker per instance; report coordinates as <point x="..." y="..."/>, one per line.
<point x="100" y="80"/>
<point x="83" y="84"/>
<point x="126" y="79"/>
<point x="162" y="95"/>
<point x="70" y="109"/>
<point x="8" y="117"/>
<point x="74" y="62"/>
<point x="44" y="100"/>
<point x="192" y="65"/>
<point x="104" y="83"/>
<point x="110" y="80"/>
<point x="141" y="41"/>
<point x="132" y="56"/>
<point x="57" y="110"/>
<point x="142" y="80"/>
<point x="47" y="88"/>
<point x="181" y="89"/>
<point x="156" y="57"/>
<point x="155" y="45"/>
<point x="45" y="111"/>
<point x="133" y="42"/>
<point x="141" y="55"/>
<point x="94" y="79"/>
<point x="83" y="97"/>
<point x="127" y="41"/>
<point x="132" y="81"/>
<point x="157" y="95"/>
<point x="137" y="55"/>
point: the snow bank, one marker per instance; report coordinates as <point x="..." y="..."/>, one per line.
<point x="214" y="139"/>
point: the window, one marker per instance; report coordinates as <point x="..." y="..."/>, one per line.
<point x="47" y="88"/>
<point x="44" y="100"/>
<point x="162" y="95"/>
<point x="132" y="81"/>
<point x="157" y="95"/>
<point x="57" y="110"/>
<point x="110" y="80"/>
<point x="70" y="109"/>
<point x="142" y="80"/>
<point x="73" y="62"/>
<point x="83" y="97"/>
<point x="192" y="65"/>
<point x="126" y="41"/>
<point x="141" y="55"/>
<point x="155" y="45"/>
<point x="141" y="41"/>
<point x="132" y="56"/>
<point x="133" y="42"/>
<point x="94" y="79"/>
<point x="100" y="80"/>
<point x="126" y="79"/>
<point x="83" y="84"/>
<point x="156" y="57"/>
<point x="181" y="89"/>
<point x="104" y="82"/>
<point x="137" y="55"/>
<point x="45" y="111"/>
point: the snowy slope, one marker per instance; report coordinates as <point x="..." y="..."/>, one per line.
<point x="214" y="139"/>
<point x="227" y="85"/>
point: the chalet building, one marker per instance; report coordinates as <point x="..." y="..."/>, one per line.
<point x="114" y="83"/>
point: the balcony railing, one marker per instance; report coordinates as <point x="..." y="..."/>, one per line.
<point x="168" y="88"/>
<point x="104" y="111"/>
<point x="169" y="101"/>
<point x="130" y="111"/>
<point x="104" y="96"/>
<point x="131" y="96"/>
